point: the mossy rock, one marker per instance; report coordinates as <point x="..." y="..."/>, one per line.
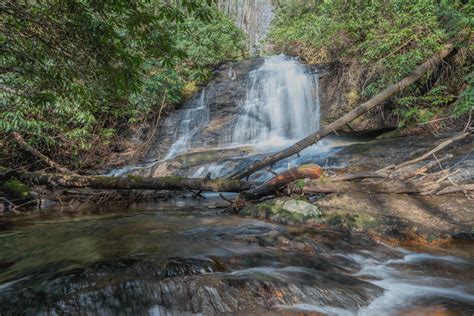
<point x="16" y="189"/>
<point x="283" y="210"/>
<point x="361" y="221"/>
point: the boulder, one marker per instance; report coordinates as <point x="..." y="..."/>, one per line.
<point x="284" y="210"/>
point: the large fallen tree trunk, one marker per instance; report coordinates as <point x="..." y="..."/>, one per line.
<point x="135" y="182"/>
<point x="310" y="171"/>
<point x="348" y="117"/>
<point x="250" y="190"/>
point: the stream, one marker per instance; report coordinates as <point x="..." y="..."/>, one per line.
<point x="178" y="258"/>
<point x="188" y="257"/>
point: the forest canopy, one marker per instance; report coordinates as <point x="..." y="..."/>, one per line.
<point x="73" y="71"/>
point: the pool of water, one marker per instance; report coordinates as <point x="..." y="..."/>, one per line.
<point x="175" y="259"/>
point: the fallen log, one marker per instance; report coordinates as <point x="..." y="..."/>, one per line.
<point x="250" y="190"/>
<point x="348" y="117"/>
<point x="135" y="182"/>
<point x="309" y="171"/>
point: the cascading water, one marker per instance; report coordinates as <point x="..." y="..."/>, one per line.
<point x="282" y="103"/>
<point x="192" y="118"/>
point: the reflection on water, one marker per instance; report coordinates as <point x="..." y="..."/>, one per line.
<point x="181" y="261"/>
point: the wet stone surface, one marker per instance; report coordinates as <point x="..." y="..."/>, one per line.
<point x="182" y="262"/>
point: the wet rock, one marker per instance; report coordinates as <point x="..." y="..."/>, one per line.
<point x="17" y="191"/>
<point x="283" y="210"/>
<point x="188" y="164"/>
<point x="222" y="95"/>
<point x="400" y="217"/>
<point x="209" y="294"/>
<point x="379" y="153"/>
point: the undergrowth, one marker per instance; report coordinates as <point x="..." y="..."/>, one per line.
<point x="384" y="41"/>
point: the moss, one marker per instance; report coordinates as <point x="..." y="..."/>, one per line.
<point x="3" y="169"/>
<point x="392" y="134"/>
<point x="299" y="183"/>
<point x="16" y="188"/>
<point x="260" y="210"/>
<point x="172" y="179"/>
<point x="134" y="177"/>
<point x="106" y="181"/>
<point x="275" y="210"/>
<point x="352" y="221"/>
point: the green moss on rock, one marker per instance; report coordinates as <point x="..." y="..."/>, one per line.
<point x="353" y="221"/>
<point x="283" y="210"/>
<point x="16" y="189"/>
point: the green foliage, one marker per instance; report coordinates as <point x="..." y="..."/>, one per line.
<point x="465" y="103"/>
<point x="387" y="38"/>
<point x="16" y="188"/>
<point x="73" y="70"/>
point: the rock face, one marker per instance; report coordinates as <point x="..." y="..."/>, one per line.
<point x="339" y="94"/>
<point x="401" y="217"/>
<point x="222" y="96"/>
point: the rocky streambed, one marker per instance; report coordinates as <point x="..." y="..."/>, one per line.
<point x="178" y="259"/>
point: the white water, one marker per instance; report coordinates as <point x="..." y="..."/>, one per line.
<point x="280" y="107"/>
<point x="402" y="289"/>
<point x="190" y="124"/>
<point x="281" y="104"/>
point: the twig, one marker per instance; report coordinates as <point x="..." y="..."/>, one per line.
<point x="431" y="152"/>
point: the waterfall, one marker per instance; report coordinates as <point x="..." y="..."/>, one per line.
<point x="281" y="103"/>
<point x="281" y="106"/>
<point x="190" y="122"/>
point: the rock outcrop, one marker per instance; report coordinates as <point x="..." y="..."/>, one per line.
<point x="222" y="96"/>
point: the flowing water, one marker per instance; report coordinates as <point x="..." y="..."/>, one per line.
<point x="176" y="259"/>
<point x="191" y="121"/>
<point x="281" y="106"/>
<point x="183" y="258"/>
<point x="281" y="103"/>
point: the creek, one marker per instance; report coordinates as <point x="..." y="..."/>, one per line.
<point x="186" y="257"/>
<point x="178" y="258"/>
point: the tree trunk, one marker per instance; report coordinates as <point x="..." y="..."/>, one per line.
<point x="250" y="190"/>
<point x="309" y="171"/>
<point x="136" y="182"/>
<point x="348" y="117"/>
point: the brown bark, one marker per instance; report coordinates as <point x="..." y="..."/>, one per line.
<point x="348" y="117"/>
<point x="135" y="182"/>
<point x="309" y="171"/>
